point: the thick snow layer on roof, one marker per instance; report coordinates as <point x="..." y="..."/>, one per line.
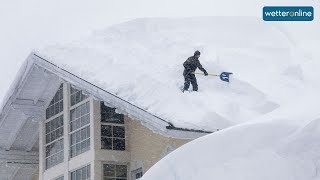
<point x="281" y="145"/>
<point x="282" y="149"/>
<point x="141" y="62"/>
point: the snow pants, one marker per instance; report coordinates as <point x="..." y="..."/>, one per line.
<point x="190" y="78"/>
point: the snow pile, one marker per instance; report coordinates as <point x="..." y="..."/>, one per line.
<point x="141" y="62"/>
<point x="281" y="145"/>
<point x="246" y="152"/>
<point x="279" y="149"/>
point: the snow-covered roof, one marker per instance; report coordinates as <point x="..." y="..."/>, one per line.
<point x="140" y="62"/>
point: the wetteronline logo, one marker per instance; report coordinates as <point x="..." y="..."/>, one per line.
<point x="288" y="13"/>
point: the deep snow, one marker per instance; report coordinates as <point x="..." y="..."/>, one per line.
<point x="279" y="145"/>
<point x="141" y="61"/>
<point x="273" y="93"/>
<point x="278" y="149"/>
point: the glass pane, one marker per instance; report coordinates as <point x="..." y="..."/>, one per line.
<point x="48" y="138"/>
<point x="56" y="104"/>
<point x="79" y="175"/>
<point x="54" y="129"/>
<point x="138" y="175"/>
<point x="48" y="127"/>
<point x="60" y="178"/>
<point x="121" y="171"/>
<point x="106" y="143"/>
<point x="88" y="172"/>
<point x="54" y="153"/>
<point x="73" y="176"/>
<point x="109" y="115"/>
<point x="79" y="117"/>
<point x="109" y="170"/>
<point x="48" y="151"/>
<point x="73" y="151"/>
<point x="76" y="96"/>
<point x="83" y="133"/>
<point x="84" y="174"/>
<point x="78" y="138"/>
<point x="119" y="144"/>
<point x="106" y="130"/>
<point x="81" y="140"/>
<point x="72" y="115"/>
<point x="118" y="131"/>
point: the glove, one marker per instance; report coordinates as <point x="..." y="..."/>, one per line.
<point x="205" y="73"/>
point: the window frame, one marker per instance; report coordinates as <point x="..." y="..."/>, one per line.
<point x="87" y="97"/>
<point x="61" y="87"/>
<point x="71" y="108"/>
<point x="59" y="177"/>
<point x="122" y="120"/>
<point x="79" y="168"/>
<point x="113" y="137"/>
<point x="113" y="124"/>
<point x="45" y="144"/>
<point x="135" y="172"/>
<point x="115" y="164"/>
<point x="75" y="107"/>
<point x="45" y="129"/>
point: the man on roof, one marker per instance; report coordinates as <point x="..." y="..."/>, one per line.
<point x="190" y="66"/>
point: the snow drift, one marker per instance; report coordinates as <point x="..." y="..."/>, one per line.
<point x="282" y="144"/>
<point x="141" y="61"/>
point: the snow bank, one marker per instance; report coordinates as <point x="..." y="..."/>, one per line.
<point x="245" y="152"/>
<point x="280" y="145"/>
<point x="279" y="149"/>
<point x="141" y="62"/>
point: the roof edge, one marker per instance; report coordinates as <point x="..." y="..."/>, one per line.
<point x="162" y="127"/>
<point x="16" y="85"/>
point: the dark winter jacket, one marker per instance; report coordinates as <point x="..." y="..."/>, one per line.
<point x="191" y="65"/>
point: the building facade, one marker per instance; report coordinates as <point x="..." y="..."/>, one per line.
<point x="82" y="138"/>
<point x="57" y="126"/>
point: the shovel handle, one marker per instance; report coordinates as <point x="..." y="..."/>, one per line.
<point x="203" y="74"/>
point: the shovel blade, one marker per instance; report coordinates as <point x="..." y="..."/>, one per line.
<point x="224" y="76"/>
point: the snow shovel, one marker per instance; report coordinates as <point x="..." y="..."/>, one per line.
<point x="224" y="76"/>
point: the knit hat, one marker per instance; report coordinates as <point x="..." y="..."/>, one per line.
<point x="197" y="53"/>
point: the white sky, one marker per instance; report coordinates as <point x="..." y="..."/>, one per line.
<point x="27" y="25"/>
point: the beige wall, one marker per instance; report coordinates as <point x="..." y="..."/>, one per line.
<point x="35" y="177"/>
<point x="147" y="147"/>
<point x="144" y="148"/>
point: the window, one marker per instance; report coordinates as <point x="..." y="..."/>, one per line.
<point x="109" y="115"/>
<point x="81" y="174"/>
<point x="56" y="104"/>
<point x="112" y="129"/>
<point x="113" y="137"/>
<point x="54" y="129"/>
<point x="76" y="96"/>
<point x="136" y="174"/>
<point x="114" y="172"/>
<point x="80" y="141"/>
<point x="54" y="142"/>
<point x="80" y="129"/>
<point x="60" y="178"/>
<point x="80" y="116"/>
